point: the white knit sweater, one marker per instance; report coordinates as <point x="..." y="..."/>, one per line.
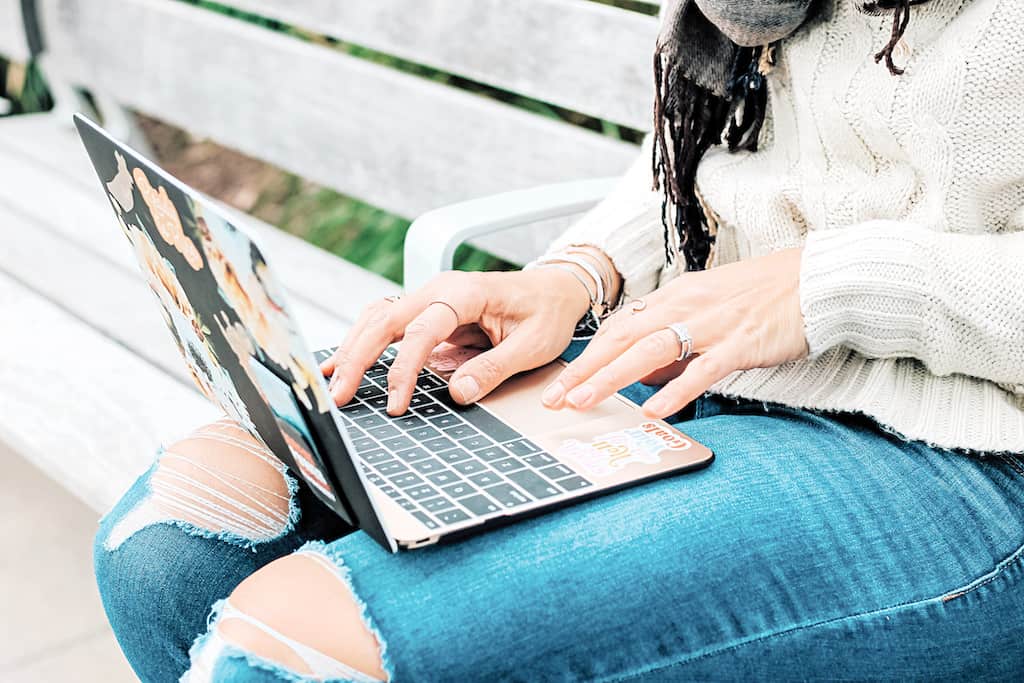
<point x="907" y="194"/>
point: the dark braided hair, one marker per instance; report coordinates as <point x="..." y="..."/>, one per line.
<point x="689" y="119"/>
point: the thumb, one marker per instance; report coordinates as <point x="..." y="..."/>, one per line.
<point x="479" y="376"/>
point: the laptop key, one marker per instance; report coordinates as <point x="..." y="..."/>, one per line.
<point x="539" y="460"/>
<point x="507" y="495"/>
<point x="522" y="447"/>
<point x="364" y="444"/>
<point x="557" y="471"/>
<point x="391" y="467"/>
<point x="391" y="491"/>
<point x="485" y="479"/>
<point x="507" y="465"/>
<point x="491" y="454"/>
<point x="438" y="444"/>
<point x="374" y="457"/>
<point x="443" y="478"/>
<point x="424" y="433"/>
<point x="468" y="466"/>
<point x="407" y="479"/>
<point x="435" y="504"/>
<point x="459" y="490"/>
<point x="428" y="466"/>
<point x="420" y="492"/>
<point x="479" y="505"/>
<point x="370" y="390"/>
<point x="428" y="382"/>
<point x="377" y="371"/>
<point x="398" y="443"/>
<point x="475" y="443"/>
<point x="425" y="518"/>
<point x="461" y="431"/>
<point x="574" y="483"/>
<point x="385" y="431"/>
<point x="379" y="403"/>
<point x="369" y="421"/>
<point x="356" y="409"/>
<point x="419" y="399"/>
<point x="454" y="455"/>
<point x="428" y="410"/>
<point x="533" y="483"/>
<point x="452" y="516"/>
<point x="413" y="454"/>
<point x="406" y="503"/>
<point x="445" y="420"/>
<point x="409" y="422"/>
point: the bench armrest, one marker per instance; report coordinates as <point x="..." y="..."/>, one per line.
<point x="433" y="237"/>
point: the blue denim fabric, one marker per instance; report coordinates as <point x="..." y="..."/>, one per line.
<point x="815" y="547"/>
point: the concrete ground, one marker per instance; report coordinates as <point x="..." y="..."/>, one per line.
<point x="52" y="626"/>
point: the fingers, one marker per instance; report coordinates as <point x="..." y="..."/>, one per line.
<point x="700" y="374"/>
<point x="615" y="336"/>
<point x="379" y="325"/>
<point x="479" y="376"/>
<point x="431" y="327"/>
<point x="649" y="354"/>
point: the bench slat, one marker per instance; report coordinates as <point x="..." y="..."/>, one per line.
<point x="398" y="141"/>
<point x="577" y="54"/>
<point x="43" y="156"/>
<point x="87" y="412"/>
<point x="12" y="31"/>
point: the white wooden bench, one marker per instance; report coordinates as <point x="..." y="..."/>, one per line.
<point x="90" y="381"/>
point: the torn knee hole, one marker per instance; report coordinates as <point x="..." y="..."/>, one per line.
<point x="300" y="614"/>
<point x="222" y="480"/>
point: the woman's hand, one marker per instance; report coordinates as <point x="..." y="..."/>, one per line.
<point x="742" y="315"/>
<point x="528" y="318"/>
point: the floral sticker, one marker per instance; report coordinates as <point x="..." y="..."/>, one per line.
<point x="607" y="454"/>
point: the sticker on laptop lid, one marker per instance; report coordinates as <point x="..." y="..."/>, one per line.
<point x="607" y="454"/>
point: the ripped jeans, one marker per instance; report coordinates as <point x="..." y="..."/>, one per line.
<point x="815" y="547"/>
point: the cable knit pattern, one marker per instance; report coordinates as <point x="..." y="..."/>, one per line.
<point x="907" y="194"/>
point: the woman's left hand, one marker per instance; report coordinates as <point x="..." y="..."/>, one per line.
<point x="740" y="316"/>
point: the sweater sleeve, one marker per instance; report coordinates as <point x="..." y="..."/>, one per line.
<point x="888" y="289"/>
<point x="626" y="226"/>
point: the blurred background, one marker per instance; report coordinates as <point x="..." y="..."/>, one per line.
<point x="335" y="123"/>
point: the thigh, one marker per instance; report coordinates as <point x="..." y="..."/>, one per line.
<point x="806" y="530"/>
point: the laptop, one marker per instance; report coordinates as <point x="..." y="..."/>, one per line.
<point x="439" y="472"/>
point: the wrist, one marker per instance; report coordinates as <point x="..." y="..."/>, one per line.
<point x="568" y="284"/>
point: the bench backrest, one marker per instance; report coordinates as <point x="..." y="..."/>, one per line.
<point x="400" y="141"/>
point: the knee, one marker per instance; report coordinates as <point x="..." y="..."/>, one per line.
<point x="298" y="616"/>
<point x="212" y="510"/>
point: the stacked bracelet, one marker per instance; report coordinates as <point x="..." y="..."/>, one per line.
<point x="599" y="305"/>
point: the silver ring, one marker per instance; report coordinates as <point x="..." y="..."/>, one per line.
<point x="458" y="320"/>
<point x="637" y="305"/>
<point x="682" y="333"/>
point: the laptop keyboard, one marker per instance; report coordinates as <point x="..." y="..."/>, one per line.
<point x="443" y="462"/>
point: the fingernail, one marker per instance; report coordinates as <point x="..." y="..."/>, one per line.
<point x="553" y="394"/>
<point x="579" y="396"/>
<point x="392" y="401"/>
<point x="334" y="380"/>
<point x="467" y="388"/>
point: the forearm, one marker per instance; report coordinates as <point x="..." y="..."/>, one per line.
<point x="890" y="289"/>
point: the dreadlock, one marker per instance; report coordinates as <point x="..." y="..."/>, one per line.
<point x="689" y="119"/>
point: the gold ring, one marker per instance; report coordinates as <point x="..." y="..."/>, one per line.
<point x="637" y="305"/>
<point x="449" y="307"/>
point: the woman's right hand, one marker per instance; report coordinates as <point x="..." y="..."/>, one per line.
<point x="526" y="318"/>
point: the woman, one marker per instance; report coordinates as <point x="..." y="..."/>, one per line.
<point x="855" y="358"/>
